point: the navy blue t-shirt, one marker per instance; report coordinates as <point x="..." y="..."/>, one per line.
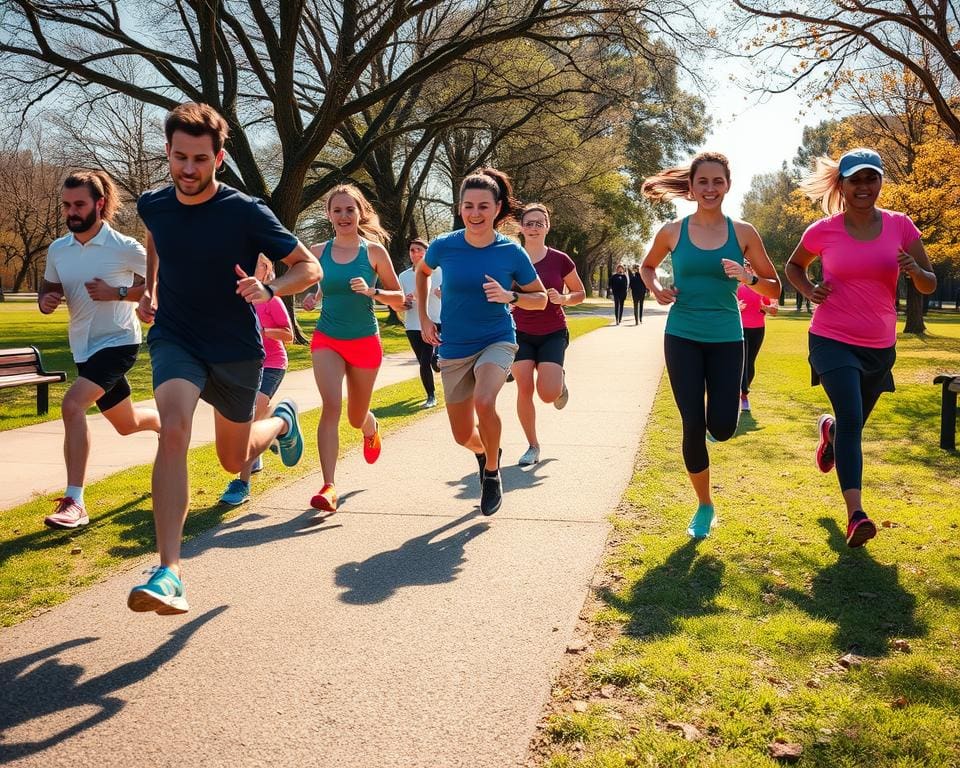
<point x="470" y="322"/>
<point x="197" y="246"/>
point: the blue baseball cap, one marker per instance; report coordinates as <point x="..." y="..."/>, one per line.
<point x="858" y="159"/>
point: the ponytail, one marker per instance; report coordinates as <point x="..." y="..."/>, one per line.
<point x="823" y="185"/>
<point x="101" y="187"/>
<point x="673" y="183"/>
<point x="498" y="184"/>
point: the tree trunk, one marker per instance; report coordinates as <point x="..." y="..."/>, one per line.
<point x="914" y="323"/>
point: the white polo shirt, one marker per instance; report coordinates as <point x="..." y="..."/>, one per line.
<point x="115" y="259"/>
<point x="411" y="317"/>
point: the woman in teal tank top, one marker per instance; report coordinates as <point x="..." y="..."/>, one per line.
<point x="703" y="343"/>
<point x="346" y="342"/>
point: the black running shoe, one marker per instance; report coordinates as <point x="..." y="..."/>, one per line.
<point x="491" y="494"/>
<point x="435" y="360"/>
<point x="482" y="461"/>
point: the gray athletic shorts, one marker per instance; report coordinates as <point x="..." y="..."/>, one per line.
<point x="459" y="373"/>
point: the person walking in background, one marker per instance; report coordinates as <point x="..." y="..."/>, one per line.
<point x="480" y="267"/>
<point x="542" y="335"/>
<point x="638" y="292"/>
<point x="101" y="274"/>
<point x="203" y="242"/>
<point x="703" y="343"/>
<point x="754" y="309"/>
<point x="425" y="353"/>
<point x="346" y="343"/>
<point x="619" y="284"/>
<point x="853" y="335"/>
<point x="276" y="330"/>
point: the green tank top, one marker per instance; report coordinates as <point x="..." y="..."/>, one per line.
<point x="706" y="308"/>
<point x="345" y="314"/>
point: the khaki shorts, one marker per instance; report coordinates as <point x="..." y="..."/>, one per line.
<point x="459" y="373"/>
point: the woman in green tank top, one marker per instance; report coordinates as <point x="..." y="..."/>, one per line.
<point x="703" y="343"/>
<point x="346" y="343"/>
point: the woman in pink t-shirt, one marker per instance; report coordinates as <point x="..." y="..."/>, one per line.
<point x="275" y="330"/>
<point x="754" y="309"/>
<point x="542" y="335"/>
<point x="853" y="333"/>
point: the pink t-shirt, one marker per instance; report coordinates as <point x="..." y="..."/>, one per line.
<point x="861" y="308"/>
<point x="751" y="315"/>
<point x="551" y="270"/>
<point x="272" y="314"/>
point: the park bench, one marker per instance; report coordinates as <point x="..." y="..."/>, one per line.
<point x="948" y="409"/>
<point x="23" y="367"/>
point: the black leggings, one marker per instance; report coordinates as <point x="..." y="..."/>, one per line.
<point x="637" y="308"/>
<point x="853" y="396"/>
<point x="424" y="353"/>
<point x="618" y="302"/>
<point x="752" y="341"/>
<point x="696" y="367"/>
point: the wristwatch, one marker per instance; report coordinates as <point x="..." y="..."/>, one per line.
<point x="270" y="290"/>
<point x="376" y="291"/>
<point x="516" y="297"/>
<point x="122" y="290"/>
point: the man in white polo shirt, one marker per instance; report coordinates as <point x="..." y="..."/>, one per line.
<point x="426" y="353"/>
<point x="100" y="272"/>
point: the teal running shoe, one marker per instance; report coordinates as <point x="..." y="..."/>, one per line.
<point x="703" y="520"/>
<point x="291" y="444"/>
<point x="162" y="593"/>
<point x="238" y="491"/>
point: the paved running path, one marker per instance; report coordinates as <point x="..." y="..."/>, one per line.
<point x="406" y="630"/>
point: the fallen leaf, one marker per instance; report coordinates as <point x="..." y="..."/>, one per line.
<point x="850" y="661"/>
<point x="889" y="524"/>
<point x="901" y="645"/>
<point x="580" y="706"/>
<point x="576" y="646"/>
<point x="76" y="551"/>
<point x="788" y="752"/>
<point x="690" y="732"/>
<point x="608" y="691"/>
<point x="814" y="683"/>
<point x="899" y="703"/>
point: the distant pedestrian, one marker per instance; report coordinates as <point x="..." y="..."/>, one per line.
<point x="426" y="354"/>
<point x="618" y="285"/>
<point x="754" y="308"/>
<point x="101" y="274"/>
<point x="477" y="348"/>
<point x="853" y="334"/>
<point x="638" y="292"/>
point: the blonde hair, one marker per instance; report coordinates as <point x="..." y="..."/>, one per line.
<point x="101" y="187"/>
<point x="369" y="225"/>
<point x="673" y="183"/>
<point x="824" y="185"/>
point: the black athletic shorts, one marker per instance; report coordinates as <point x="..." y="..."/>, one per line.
<point x="545" y="348"/>
<point x="107" y="368"/>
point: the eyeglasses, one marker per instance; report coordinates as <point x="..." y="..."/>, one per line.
<point x="535" y="224"/>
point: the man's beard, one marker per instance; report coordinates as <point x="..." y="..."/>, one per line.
<point x="76" y="224"/>
<point x="200" y="190"/>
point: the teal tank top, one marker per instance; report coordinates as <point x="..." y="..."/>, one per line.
<point x="706" y="308"/>
<point x="345" y="314"/>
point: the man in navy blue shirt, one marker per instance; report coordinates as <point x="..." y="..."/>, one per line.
<point x="203" y="241"/>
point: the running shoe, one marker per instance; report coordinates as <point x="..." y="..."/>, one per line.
<point x="430" y="402"/>
<point x="860" y="529"/>
<point x="257" y="465"/>
<point x="825" y="456"/>
<point x="530" y="457"/>
<point x="291" y="443"/>
<point x="744" y="403"/>
<point x="435" y="360"/>
<point x="326" y="499"/>
<point x="509" y="377"/>
<point x="238" y="491"/>
<point x="491" y="494"/>
<point x="372" y="444"/>
<point x="68" y="514"/>
<point x="704" y="519"/>
<point x="710" y="438"/>
<point x="482" y="461"/>
<point x="162" y="593"/>
<point x="561" y="402"/>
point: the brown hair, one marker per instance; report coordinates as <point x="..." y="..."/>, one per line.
<point x="369" y="225"/>
<point x="672" y="183"/>
<point x="530" y="207"/>
<point x="498" y="184"/>
<point x="418" y="241"/>
<point x="101" y="187"/>
<point x="824" y="185"/>
<point x="197" y="120"/>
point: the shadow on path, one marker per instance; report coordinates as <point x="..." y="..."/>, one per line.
<point x="682" y="587"/>
<point x="514" y="477"/>
<point x="39" y="684"/>
<point x="862" y="597"/>
<point x="422" y="560"/>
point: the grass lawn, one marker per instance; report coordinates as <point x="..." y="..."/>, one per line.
<point x="740" y="636"/>
<point x="37" y="569"/>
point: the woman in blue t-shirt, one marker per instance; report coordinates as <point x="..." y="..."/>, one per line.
<point x="480" y="267"/>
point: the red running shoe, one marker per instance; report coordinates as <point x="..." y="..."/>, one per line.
<point x="326" y="499"/>
<point x="860" y="530"/>
<point x="372" y="446"/>
<point x="825" y="456"/>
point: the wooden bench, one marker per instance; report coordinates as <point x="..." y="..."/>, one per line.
<point x="23" y="367"/>
<point x="948" y="409"/>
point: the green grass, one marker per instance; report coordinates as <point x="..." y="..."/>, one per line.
<point x="37" y="569"/>
<point x="740" y="634"/>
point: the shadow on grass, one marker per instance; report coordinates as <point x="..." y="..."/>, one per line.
<point x="420" y="561"/>
<point x="863" y="598"/>
<point x="747" y="424"/>
<point x="682" y="587"/>
<point x="38" y="685"/>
